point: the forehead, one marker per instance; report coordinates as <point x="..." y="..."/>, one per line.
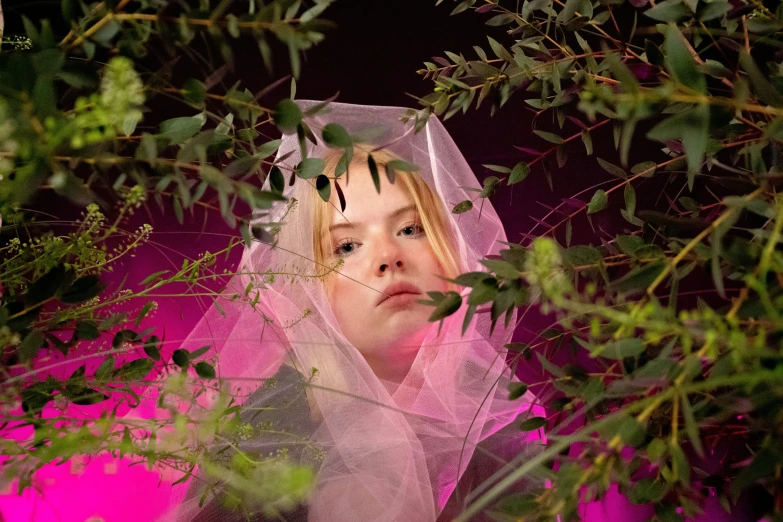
<point x="362" y="201"/>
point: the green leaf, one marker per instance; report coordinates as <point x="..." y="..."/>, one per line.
<point x="578" y="255"/>
<point x="276" y="180"/>
<point x="629" y="195"/>
<point x="324" y="187"/>
<point x="498" y="168"/>
<point x="519" y="173"/>
<point x="310" y="168"/>
<point x="83" y="289"/>
<point x="205" y="370"/>
<point x="135" y="370"/>
<point x="87" y="330"/>
<point x="648" y="167"/>
<point x="46" y="286"/>
<point x="287" y="116"/>
<point x="490" y="186"/>
<point x="680" y="62"/>
<point x="691" y="428"/>
<point x="181" y="358"/>
<point x="692" y="126"/>
<point x="30" y="346"/>
<point x="622" y="348"/>
<point x="628" y="244"/>
<point x="194" y="92"/>
<point x="151" y="347"/>
<point x="106" y="368"/>
<point x="516" y="390"/>
<point x="764" y="89"/>
<point x="335" y="135"/>
<point x="503" y="269"/>
<point x="178" y="130"/>
<point x="483" y="291"/>
<point x="647" y="491"/>
<point x="669" y="11"/>
<point x="533" y="423"/>
<point x="402" y="166"/>
<point x="376" y="179"/>
<point x="462" y="207"/>
<point x="639" y="278"/>
<point x="195" y="354"/>
<point x="598" y="202"/>
<point x="549" y="136"/>
<point x="655" y="450"/>
<point x="445" y="304"/>
<point x="614" y="170"/>
<point x="762" y="466"/>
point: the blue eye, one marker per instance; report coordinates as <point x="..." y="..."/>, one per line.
<point x="345" y="248"/>
<point x="412" y="230"/>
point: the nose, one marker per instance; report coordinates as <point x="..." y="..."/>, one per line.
<point x="389" y="258"/>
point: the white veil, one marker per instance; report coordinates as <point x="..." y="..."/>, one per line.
<point x="392" y="455"/>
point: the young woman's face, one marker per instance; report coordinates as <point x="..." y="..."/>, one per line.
<point x="388" y="265"/>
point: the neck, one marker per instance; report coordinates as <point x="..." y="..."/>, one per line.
<point x="393" y="362"/>
<point x="392" y="367"/>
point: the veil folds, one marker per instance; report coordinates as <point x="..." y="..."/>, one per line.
<point x="391" y="454"/>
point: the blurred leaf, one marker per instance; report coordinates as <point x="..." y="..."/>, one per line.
<point x="178" y="130"/>
<point x="205" y="370"/>
<point x="30" y="346"/>
<point x="498" y="168"/>
<point x="647" y="491"/>
<point x="518" y="173"/>
<point x="445" y="304"/>
<point x="679" y="61"/>
<point x="462" y="207"/>
<point x="46" y="286"/>
<point x="83" y="289"/>
<point x="548" y="136"/>
<point x="287" y="116"/>
<point x="614" y="170"/>
<point x="483" y="291"/>
<point x="335" y="135"/>
<point x="533" y="423"/>
<point x="669" y="11"/>
<point x="764" y="89"/>
<point x="87" y="330"/>
<point x="106" y="368"/>
<point x="639" y="278"/>
<point x="598" y="202"/>
<point x="310" y="168"/>
<point x="490" y="186"/>
<point x="376" y="179"/>
<point x="324" y="187"/>
<point x="181" y="358"/>
<point x="276" y="180"/>
<point x="516" y="390"/>
<point x="135" y="370"/>
<point x="194" y="92"/>
<point x="623" y="348"/>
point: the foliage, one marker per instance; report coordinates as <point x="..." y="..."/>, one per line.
<point x="78" y="125"/>
<point x="664" y="372"/>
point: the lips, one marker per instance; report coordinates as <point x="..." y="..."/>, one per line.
<point x="397" y="289"/>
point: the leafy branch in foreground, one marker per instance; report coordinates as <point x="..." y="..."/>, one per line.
<point x="657" y="378"/>
<point x="78" y="127"/>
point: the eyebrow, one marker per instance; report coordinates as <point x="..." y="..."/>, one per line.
<point x="392" y="215"/>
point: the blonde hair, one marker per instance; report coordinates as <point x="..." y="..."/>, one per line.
<point x="429" y="206"/>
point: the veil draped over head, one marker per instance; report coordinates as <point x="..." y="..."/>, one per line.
<point x="392" y="453"/>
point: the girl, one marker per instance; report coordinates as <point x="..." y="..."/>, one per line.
<point x="399" y="418"/>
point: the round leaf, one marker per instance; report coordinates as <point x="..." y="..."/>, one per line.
<point x="335" y="135"/>
<point x="324" y="187"/>
<point x="287" y="116"/>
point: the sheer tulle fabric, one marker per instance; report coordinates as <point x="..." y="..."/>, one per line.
<point x="389" y="453"/>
